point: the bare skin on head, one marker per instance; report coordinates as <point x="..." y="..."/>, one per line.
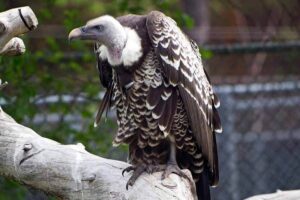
<point x="106" y="31"/>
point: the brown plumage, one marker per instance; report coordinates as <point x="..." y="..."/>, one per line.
<point x="163" y="99"/>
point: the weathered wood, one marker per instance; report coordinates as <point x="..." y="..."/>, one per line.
<point x="70" y="172"/>
<point x="13" y="23"/>
<point x="279" y="195"/>
<point x="14" y="47"/>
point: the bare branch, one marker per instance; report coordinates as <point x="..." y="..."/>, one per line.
<point x="13" y="23"/>
<point x="70" y="172"/>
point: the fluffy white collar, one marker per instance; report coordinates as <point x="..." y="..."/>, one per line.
<point x="130" y="54"/>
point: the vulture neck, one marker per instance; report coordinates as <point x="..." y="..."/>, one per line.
<point x="127" y="56"/>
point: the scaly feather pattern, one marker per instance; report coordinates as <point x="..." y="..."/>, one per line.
<point x="182" y="66"/>
<point x="164" y="95"/>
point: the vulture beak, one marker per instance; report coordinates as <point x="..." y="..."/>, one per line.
<point x="81" y="34"/>
<point x="75" y="34"/>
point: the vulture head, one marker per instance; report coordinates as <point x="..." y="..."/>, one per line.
<point x="104" y="30"/>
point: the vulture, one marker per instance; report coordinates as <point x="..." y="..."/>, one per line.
<point x="166" y="107"/>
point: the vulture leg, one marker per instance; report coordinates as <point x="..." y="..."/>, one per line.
<point x="137" y="171"/>
<point x="172" y="167"/>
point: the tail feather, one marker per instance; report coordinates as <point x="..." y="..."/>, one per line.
<point x="202" y="185"/>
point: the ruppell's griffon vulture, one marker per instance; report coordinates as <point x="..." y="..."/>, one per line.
<point x="165" y="104"/>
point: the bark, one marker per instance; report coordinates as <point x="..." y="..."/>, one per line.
<point x="70" y="172"/>
<point x="12" y="25"/>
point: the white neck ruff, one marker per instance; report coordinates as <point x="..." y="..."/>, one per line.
<point x="131" y="53"/>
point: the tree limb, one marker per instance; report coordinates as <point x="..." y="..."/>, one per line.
<point x="70" y="172"/>
<point x="13" y="23"/>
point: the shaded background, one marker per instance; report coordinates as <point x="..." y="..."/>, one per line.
<point x="251" y="49"/>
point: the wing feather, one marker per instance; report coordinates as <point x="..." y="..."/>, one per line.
<point x="182" y="67"/>
<point x="105" y="76"/>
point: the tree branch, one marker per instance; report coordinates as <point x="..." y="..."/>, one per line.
<point x="70" y="172"/>
<point x="13" y="23"/>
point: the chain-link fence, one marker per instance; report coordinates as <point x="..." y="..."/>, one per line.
<point x="260" y="146"/>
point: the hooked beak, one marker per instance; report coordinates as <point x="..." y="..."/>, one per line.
<point x="81" y="34"/>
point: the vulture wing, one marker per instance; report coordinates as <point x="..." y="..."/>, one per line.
<point x="105" y="75"/>
<point x="182" y="67"/>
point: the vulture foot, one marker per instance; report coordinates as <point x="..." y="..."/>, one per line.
<point x="139" y="169"/>
<point x="173" y="168"/>
<point x="167" y="170"/>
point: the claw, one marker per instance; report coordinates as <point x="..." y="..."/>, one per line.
<point x="129" y="183"/>
<point x="174" y="169"/>
<point x="127" y="169"/>
<point x="137" y="171"/>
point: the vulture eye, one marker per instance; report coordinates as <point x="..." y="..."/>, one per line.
<point x="99" y="27"/>
<point x="83" y="29"/>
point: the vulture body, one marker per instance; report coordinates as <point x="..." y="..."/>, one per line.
<point x="165" y="104"/>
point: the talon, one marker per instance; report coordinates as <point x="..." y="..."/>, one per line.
<point x="127" y="186"/>
<point x="171" y="168"/>
<point x="127" y="169"/>
<point x="130" y="182"/>
<point x="139" y="169"/>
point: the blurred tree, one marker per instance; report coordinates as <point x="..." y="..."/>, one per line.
<point x="200" y="12"/>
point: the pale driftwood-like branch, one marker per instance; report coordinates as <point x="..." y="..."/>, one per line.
<point x="279" y="195"/>
<point x="14" y="47"/>
<point x="70" y="172"/>
<point x="13" y="23"/>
